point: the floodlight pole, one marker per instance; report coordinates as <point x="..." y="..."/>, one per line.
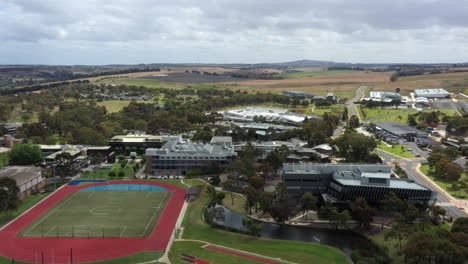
<point x="71" y="255"/>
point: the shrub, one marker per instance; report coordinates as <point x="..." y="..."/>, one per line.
<point x="121" y="173"/>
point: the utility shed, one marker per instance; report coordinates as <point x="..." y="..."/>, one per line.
<point x="28" y="178"/>
<point x="193" y="193"/>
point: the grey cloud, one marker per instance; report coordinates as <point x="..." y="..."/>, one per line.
<point x="233" y="25"/>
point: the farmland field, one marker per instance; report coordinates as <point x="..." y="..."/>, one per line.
<point x="453" y="82"/>
<point x="311" y="74"/>
<point x="102" y="211"/>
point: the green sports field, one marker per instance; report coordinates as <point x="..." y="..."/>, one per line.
<point x="101" y="214"/>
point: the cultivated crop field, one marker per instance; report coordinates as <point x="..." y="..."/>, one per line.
<point x="97" y="212"/>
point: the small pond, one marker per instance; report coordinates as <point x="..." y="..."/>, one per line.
<point x="345" y="240"/>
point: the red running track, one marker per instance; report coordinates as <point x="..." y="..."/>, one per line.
<point x="262" y="260"/>
<point x="58" y="250"/>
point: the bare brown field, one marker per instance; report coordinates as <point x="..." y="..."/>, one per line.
<point x="129" y="75"/>
<point x="341" y="84"/>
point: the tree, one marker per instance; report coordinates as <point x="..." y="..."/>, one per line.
<point x="215" y="180"/>
<point x="25" y="154"/>
<point x="308" y="202"/>
<point x="281" y="210"/>
<point x="362" y="212"/>
<point x="398" y="232"/>
<point x="203" y="135"/>
<point x="355" y="147"/>
<point x="253" y="226"/>
<point x="453" y="172"/>
<point x="257" y="182"/>
<point x="353" y="122"/>
<point x="214" y="196"/>
<point x="9" y="194"/>
<point x="238" y="169"/>
<point x="266" y="201"/>
<point x="460" y="225"/>
<point x="412" y="120"/>
<point x="281" y="191"/>
<point x="112" y="174"/>
<point x="339" y="219"/>
<point x="229" y="184"/>
<point x="121" y="173"/>
<point x="252" y="197"/>
<point x="427" y="247"/>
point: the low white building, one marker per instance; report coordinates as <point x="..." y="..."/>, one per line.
<point x="28" y="178"/>
<point x="270" y="114"/>
<point x="381" y="96"/>
<point x="432" y="93"/>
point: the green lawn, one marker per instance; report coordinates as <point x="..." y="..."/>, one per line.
<point x="22" y="207"/>
<point x="104" y="174"/>
<point x="114" y="106"/>
<point x="398" y="150"/>
<point x="446" y="184"/>
<point x="329" y="109"/>
<point x="139" y="257"/>
<point x="3" y="159"/>
<point x="299" y="252"/>
<point x="101" y="214"/>
<point x="239" y="202"/>
<point x="368" y="113"/>
<point x="311" y="74"/>
<point x="196" y="250"/>
<point x="403" y="118"/>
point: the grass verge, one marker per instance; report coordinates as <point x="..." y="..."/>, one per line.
<point x="398" y="150"/>
<point x="447" y="185"/>
<point x="24" y="205"/>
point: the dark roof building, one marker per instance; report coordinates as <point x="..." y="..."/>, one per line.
<point x="391" y="132"/>
<point x="346" y="182"/>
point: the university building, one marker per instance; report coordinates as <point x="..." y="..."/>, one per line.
<point x="178" y="157"/>
<point x="346" y="182"/>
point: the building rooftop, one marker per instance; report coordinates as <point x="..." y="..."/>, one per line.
<point x="135" y="138"/>
<point x="399" y="129"/>
<point x="382" y="94"/>
<point x="270" y="114"/>
<point x="221" y="140"/>
<point x="393" y="183"/>
<point x="22" y="174"/>
<point x="298" y="93"/>
<point x="426" y="92"/>
<point x="329" y="168"/>
<point x="261" y="126"/>
<point x="182" y="148"/>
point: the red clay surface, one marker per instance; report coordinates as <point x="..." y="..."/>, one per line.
<point x="58" y="250"/>
<point x="262" y="260"/>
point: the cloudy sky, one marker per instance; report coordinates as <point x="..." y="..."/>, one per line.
<point x="231" y="31"/>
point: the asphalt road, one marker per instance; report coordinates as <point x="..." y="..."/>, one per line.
<point x="350" y="103"/>
<point x="410" y="167"/>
